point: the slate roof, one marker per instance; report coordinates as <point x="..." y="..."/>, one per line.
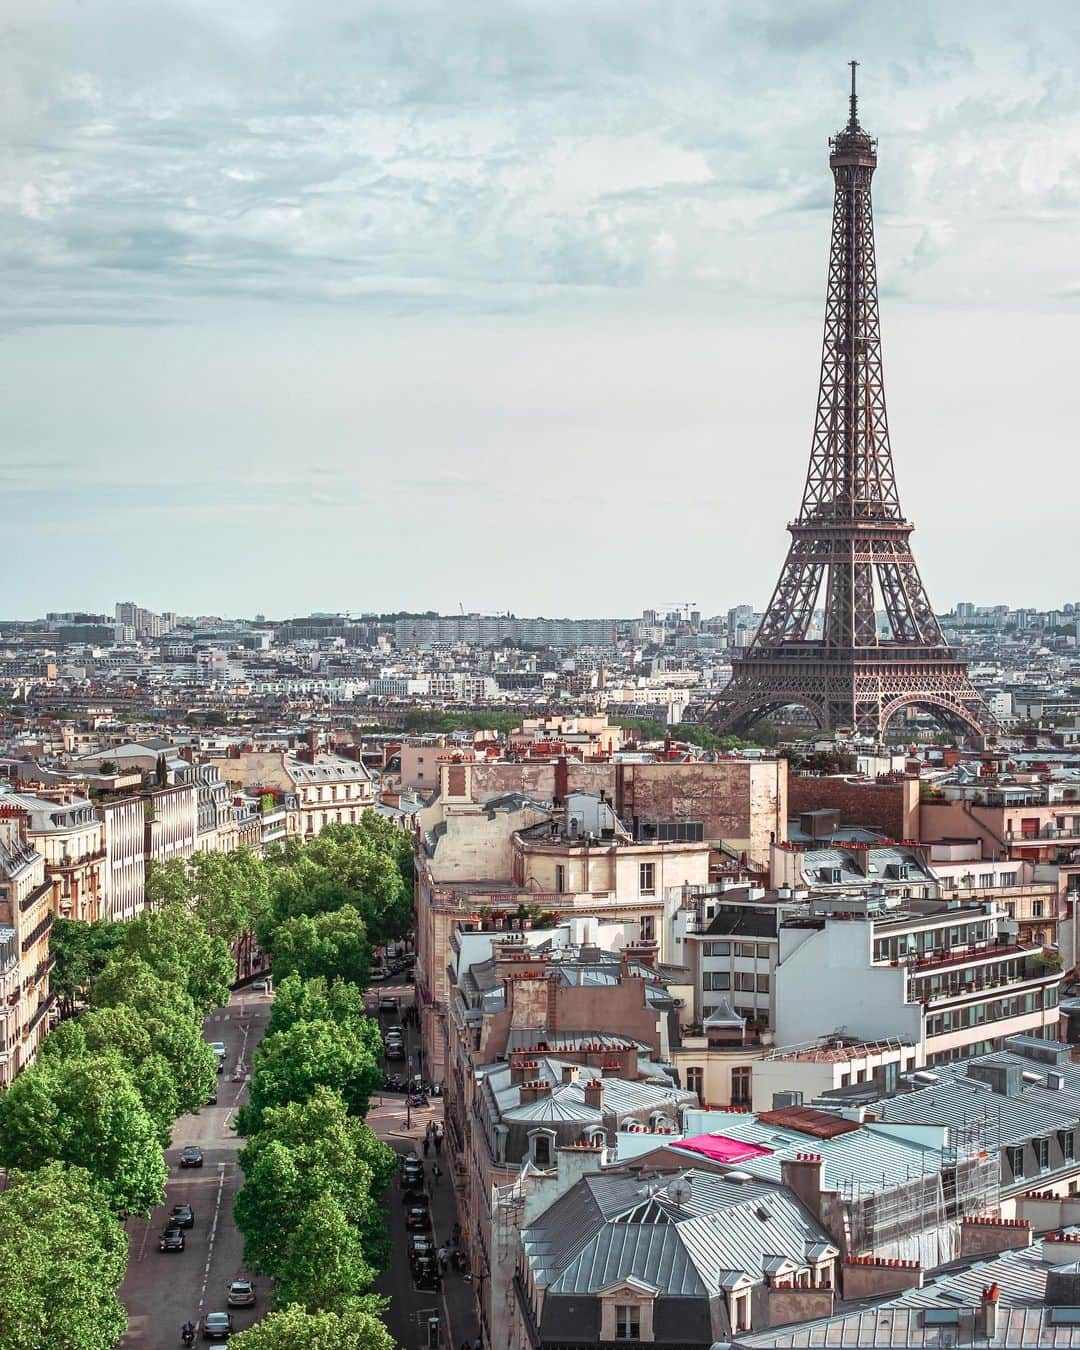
<point x="1023" y="1318"/>
<point x="611" y="1227"/>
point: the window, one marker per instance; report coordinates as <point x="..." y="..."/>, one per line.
<point x="647" y="878"/>
<point x="542" y="1150"/>
<point x="680" y="831"/>
<point x="762" y="984"/>
<point x="1067" y="1140"/>
<point x="1008" y="878"/>
<point x="744" y="981"/>
<point x="1014" y="1156"/>
<point x="986" y="880"/>
<point x="745" y="949"/>
<point x="1036" y="909"/>
<point x="627" y="1322"/>
<point x="648" y="928"/>
<point x="1042" y="1154"/>
<point x="560" y="878"/>
<point x="717" y="948"/>
<point x="716" y="980"/>
<point x="695" y="1081"/>
<point x="763" y="951"/>
<point x="740" y="1086"/>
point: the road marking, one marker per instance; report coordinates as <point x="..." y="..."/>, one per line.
<point x="213" y="1235"/>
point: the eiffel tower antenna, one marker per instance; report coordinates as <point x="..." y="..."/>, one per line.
<point x="853" y="115"/>
<point x="850" y="543"/>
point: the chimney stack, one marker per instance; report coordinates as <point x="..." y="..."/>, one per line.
<point x="570" y="1073"/>
<point x="988" y="1307"/>
<point x="594" y="1095"/>
<point x="802" y="1174"/>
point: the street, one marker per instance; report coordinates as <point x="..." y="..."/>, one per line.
<point x="404" y="1130"/>
<point x="161" y="1291"/>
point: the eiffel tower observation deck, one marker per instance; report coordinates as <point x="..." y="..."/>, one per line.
<point x="850" y="549"/>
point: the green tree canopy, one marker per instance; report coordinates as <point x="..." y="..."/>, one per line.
<point x="228" y="891"/>
<point x="62" y="1257"/>
<point x="304" y="1150"/>
<point x="291" y="1064"/>
<point x="81" y="950"/>
<point x="298" y="1000"/>
<point x="177" y="947"/>
<point x="334" y="944"/>
<point x="359" y="1327"/>
<point x="87" y="1111"/>
<point x="323" y="1268"/>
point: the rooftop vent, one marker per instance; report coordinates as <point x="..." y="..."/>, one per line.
<point x="738" y="1178"/>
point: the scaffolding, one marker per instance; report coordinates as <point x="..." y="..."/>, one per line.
<point x="919" y="1217"/>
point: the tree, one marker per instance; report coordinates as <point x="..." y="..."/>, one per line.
<point x="86" y="1111"/>
<point x="304" y="1150"/>
<point x="81" y="950"/>
<point x="297" y="1000"/>
<point x="332" y="945"/>
<point x="168" y="1018"/>
<point x="323" y="1266"/>
<point x="230" y="891"/>
<point x="358" y="1327"/>
<point x="291" y="1064"/>
<point x="178" y="949"/>
<point x="62" y="1257"/>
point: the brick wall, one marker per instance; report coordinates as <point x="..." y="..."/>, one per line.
<point x="891" y="807"/>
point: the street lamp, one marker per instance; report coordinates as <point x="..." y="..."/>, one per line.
<point x="408" y="1096"/>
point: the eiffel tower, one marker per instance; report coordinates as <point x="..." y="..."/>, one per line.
<point x="851" y="541"/>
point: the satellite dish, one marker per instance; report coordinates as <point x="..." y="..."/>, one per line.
<point x="679" y="1191"/>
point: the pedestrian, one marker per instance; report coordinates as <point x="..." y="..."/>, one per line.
<point x="438" y="1142"/>
<point x="427" y="1145"/>
<point x="456" y="1233"/>
<point x="430" y="1127"/>
<point x="436" y="1171"/>
<point x="444" y="1260"/>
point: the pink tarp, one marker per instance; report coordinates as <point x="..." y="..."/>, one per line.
<point x="723" y="1149"/>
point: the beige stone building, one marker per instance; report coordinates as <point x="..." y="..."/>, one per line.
<point x="26" y="916"/>
<point x="67" y="832"/>
<point x="329" y="789"/>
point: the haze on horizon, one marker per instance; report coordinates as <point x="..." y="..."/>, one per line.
<point x="358" y="305"/>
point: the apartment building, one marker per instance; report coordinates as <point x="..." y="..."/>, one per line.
<point x="509" y="859"/>
<point x="1034" y="819"/>
<point x="172" y="822"/>
<point x="329" y="788"/>
<point x="950" y="978"/>
<point x="536" y="1068"/>
<point x="66" y="830"/>
<point x="124" y="830"/>
<point x="27" y="898"/>
<point x="216" y="827"/>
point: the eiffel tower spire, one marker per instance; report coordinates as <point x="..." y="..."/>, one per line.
<point x="850" y="543"/>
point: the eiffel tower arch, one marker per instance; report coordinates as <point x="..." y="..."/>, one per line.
<point x="850" y="548"/>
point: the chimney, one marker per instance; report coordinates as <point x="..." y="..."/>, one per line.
<point x="529" y="1092"/>
<point x="802" y="1174"/>
<point x="313" y="741"/>
<point x="594" y="1095"/>
<point x="521" y="1069"/>
<point x="611" y="1068"/>
<point x="988" y="1307"/>
<point x="569" y="1073"/>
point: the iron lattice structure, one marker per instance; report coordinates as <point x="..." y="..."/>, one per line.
<point x="851" y="543"/>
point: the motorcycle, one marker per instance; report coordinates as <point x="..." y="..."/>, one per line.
<point x="187" y="1334"/>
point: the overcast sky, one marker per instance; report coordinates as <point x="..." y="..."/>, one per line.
<point x="326" y="304"/>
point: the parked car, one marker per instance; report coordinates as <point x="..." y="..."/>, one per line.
<point x="191" y="1156"/>
<point x="241" y="1294"/>
<point x="261" y="987"/>
<point x="218" y="1048"/>
<point x="418" y="1219"/>
<point x="182" y="1216"/>
<point x="388" y="1004"/>
<point x="172" y="1240"/>
<point x="395" y="1050"/>
<point x="212" y="1099"/>
<point x="426" y="1273"/>
<point x="412" y="1172"/>
<point x="420" y="1245"/>
<point x="217" y="1326"/>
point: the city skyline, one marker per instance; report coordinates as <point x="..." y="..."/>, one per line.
<point x="385" y="293"/>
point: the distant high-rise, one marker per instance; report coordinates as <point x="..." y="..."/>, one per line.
<point x="851" y="542"/>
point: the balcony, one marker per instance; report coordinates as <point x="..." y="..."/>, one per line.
<point x="67" y="864"/>
<point x="965" y="956"/>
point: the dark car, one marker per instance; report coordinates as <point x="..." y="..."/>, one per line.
<point x="395" y="1050"/>
<point x="412" y="1169"/>
<point x="418" y="1219"/>
<point x="421" y="1245"/>
<point x="426" y="1273"/>
<point x="172" y="1240"/>
<point x="217" y="1326"/>
<point x="241" y="1294"/>
<point x="191" y="1156"/>
<point x="182" y="1216"/>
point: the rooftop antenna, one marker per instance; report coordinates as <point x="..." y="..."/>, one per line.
<point x="853" y="114"/>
